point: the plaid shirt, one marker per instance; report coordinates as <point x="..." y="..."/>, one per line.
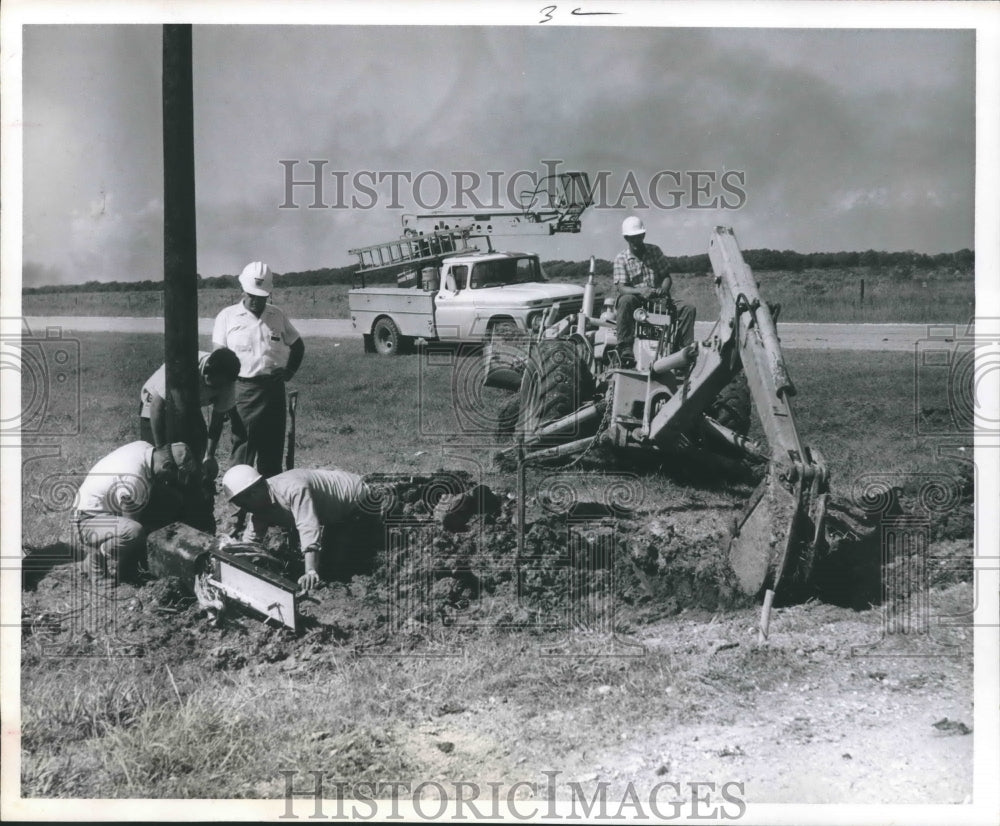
<point x="648" y="271"/>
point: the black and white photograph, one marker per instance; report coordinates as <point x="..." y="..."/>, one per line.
<point x="458" y="411"/>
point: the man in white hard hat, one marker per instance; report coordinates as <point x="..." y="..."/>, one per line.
<point x="131" y="491"/>
<point x="270" y="351"/>
<point x="641" y="275"/>
<point x="316" y="503"/>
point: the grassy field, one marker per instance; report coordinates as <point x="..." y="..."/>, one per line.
<point x="409" y="414"/>
<point x="188" y="719"/>
<point x="813" y="295"/>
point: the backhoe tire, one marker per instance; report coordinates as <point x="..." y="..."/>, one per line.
<point x="507" y="417"/>
<point x="386" y="337"/>
<point x="731" y="407"/>
<point x="504" y="356"/>
<point x="556" y="382"/>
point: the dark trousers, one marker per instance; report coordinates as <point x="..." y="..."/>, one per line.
<point x="258" y="423"/>
<point x="626" y="305"/>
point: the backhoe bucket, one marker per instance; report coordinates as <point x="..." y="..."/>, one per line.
<point x="776" y="540"/>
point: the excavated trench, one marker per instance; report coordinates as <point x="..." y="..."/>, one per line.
<point x="438" y="556"/>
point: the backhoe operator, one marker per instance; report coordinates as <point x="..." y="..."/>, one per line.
<point x="641" y="276"/>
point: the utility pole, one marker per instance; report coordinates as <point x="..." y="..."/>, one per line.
<point x="185" y="422"/>
<point x="180" y="262"/>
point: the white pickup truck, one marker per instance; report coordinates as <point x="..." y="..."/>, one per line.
<point x="465" y="297"/>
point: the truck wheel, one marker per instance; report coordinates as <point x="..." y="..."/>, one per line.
<point x="386" y="337"/>
<point x="504" y="330"/>
<point x="556" y="383"/>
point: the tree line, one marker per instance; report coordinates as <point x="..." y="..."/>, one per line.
<point x="559" y="270"/>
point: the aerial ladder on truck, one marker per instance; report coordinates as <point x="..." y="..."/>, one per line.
<point x="555" y="205"/>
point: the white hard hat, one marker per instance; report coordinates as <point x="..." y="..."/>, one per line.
<point x="633" y="226"/>
<point x="257" y="279"/>
<point x="237" y="479"/>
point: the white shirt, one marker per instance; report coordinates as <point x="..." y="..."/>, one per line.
<point x="310" y="499"/>
<point x="262" y="344"/>
<point x="222" y="398"/>
<point x="120" y="483"/>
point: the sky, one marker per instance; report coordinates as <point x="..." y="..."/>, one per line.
<point x="830" y="139"/>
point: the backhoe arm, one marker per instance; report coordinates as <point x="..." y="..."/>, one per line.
<point x="776" y="536"/>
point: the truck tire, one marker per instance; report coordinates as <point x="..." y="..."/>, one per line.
<point x="386" y="337"/>
<point x="503" y="328"/>
<point x="555" y="383"/>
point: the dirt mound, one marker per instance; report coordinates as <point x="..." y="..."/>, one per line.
<point x="585" y="566"/>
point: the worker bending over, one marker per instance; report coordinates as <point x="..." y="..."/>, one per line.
<point x="313" y="502"/>
<point x="130" y="492"/>
<point x="217" y="372"/>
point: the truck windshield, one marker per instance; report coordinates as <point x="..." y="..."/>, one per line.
<point x="508" y="271"/>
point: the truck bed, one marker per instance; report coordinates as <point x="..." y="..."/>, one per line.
<point x="411" y="308"/>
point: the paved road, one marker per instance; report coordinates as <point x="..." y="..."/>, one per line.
<point x="794" y="335"/>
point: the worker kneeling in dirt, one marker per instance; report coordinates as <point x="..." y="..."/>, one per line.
<point x="641" y="277"/>
<point x="307" y="500"/>
<point x="130" y="492"/>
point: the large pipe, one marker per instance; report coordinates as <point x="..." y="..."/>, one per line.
<point x="682" y="358"/>
<point x="588" y="301"/>
<point x="578" y="417"/>
<point x="561" y="450"/>
<point x="713" y="429"/>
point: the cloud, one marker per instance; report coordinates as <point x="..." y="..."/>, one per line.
<point x="848" y="140"/>
<point x="107" y="244"/>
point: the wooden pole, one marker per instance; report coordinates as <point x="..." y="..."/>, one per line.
<point x="180" y="280"/>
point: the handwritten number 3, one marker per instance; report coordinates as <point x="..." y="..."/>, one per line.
<point x="548" y="11"/>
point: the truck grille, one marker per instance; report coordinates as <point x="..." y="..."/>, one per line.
<point x="569" y="307"/>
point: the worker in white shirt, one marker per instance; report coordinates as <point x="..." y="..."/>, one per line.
<point x="217" y="372"/>
<point x="132" y="490"/>
<point x="313" y="502"/>
<point x="270" y="351"/>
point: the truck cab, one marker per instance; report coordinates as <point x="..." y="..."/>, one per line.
<point x="480" y="293"/>
<point x="468" y="296"/>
